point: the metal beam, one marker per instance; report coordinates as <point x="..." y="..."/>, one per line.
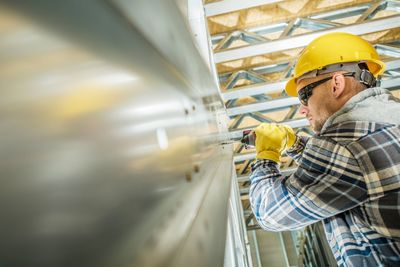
<point x="342" y="13"/>
<point x="293" y="24"/>
<point x="244" y="74"/>
<point x="253" y="227"/>
<point x="391" y="83"/>
<point x="265" y="69"/>
<point x="264" y="106"/>
<point x="248" y="37"/>
<point x="263" y="30"/>
<point x="257" y="250"/>
<point x="243" y="157"/>
<point x="260" y="117"/>
<point x="245" y="191"/>
<point x="256" y="89"/>
<point x="393" y="73"/>
<point x="285" y="255"/>
<point x="318" y="24"/>
<point x="304" y="39"/>
<point x="370" y="12"/>
<point x="267" y="88"/>
<point x="324" y="18"/>
<point x="227" y="6"/>
<point x="388" y="50"/>
<point x="394" y="64"/>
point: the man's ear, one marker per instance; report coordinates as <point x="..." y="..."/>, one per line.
<point x="338" y="85"/>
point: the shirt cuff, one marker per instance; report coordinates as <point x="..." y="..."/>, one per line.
<point x="267" y="165"/>
<point x="299" y="145"/>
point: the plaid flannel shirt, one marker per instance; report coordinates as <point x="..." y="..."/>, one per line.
<point x="349" y="178"/>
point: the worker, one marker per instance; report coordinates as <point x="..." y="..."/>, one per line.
<point x="348" y="173"/>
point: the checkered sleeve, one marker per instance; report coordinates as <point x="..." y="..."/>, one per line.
<point x="296" y="151"/>
<point x="328" y="181"/>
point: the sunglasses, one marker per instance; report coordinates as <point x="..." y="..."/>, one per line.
<point x="305" y="93"/>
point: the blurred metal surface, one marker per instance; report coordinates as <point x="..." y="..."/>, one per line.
<point x="109" y="125"/>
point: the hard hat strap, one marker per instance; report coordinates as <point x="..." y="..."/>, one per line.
<point x="360" y="70"/>
<point x="366" y="77"/>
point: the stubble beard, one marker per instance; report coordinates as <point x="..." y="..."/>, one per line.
<point x="318" y="124"/>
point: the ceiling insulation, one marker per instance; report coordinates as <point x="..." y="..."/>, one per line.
<point x="274" y="13"/>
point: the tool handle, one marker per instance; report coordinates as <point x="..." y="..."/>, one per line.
<point x="249" y="139"/>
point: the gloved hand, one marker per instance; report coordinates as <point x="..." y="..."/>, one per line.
<point x="272" y="139"/>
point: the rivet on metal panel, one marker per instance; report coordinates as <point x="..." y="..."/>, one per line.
<point x="188" y="177"/>
<point x="200" y="246"/>
<point x="196" y="168"/>
<point x="152" y="241"/>
<point x="206" y="226"/>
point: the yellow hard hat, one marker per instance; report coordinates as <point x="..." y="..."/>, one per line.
<point x="333" y="48"/>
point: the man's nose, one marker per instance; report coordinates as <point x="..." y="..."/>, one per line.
<point x="303" y="110"/>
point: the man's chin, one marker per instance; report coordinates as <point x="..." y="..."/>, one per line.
<point x="317" y="124"/>
<point x="317" y="127"/>
<point x="313" y="129"/>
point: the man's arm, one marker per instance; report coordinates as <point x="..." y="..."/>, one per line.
<point x="328" y="181"/>
<point x="296" y="151"/>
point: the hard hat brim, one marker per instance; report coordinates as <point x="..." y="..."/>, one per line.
<point x="291" y="87"/>
<point x="379" y="67"/>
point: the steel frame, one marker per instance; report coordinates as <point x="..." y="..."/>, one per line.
<point x="226" y="6"/>
<point x="302" y="40"/>
<point x="318" y="25"/>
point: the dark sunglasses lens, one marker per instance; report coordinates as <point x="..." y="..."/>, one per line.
<point x="303" y="97"/>
<point x="306" y="92"/>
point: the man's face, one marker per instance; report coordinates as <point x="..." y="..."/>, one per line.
<point x="318" y="108"/>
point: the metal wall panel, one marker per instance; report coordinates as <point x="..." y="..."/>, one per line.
<point x="110" y="124"/>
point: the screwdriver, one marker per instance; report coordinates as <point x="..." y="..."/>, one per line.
<point x="248" y="139"/>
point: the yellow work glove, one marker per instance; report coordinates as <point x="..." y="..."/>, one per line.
<point x="272" y="139"/>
